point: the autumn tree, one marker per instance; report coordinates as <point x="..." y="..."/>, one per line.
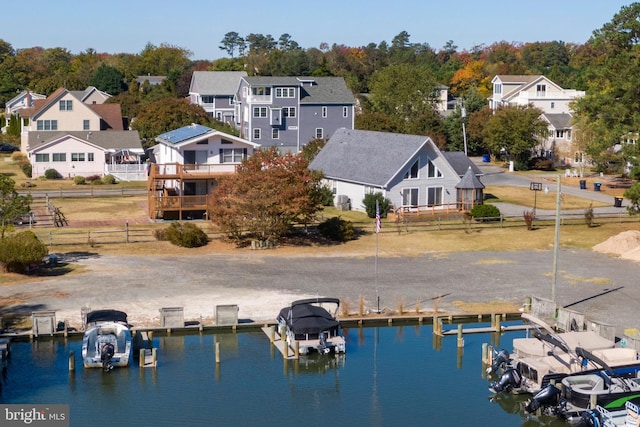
<point x="268" y="194"/>
<point x="167" y="114"/>
<point x="514" y="129"/>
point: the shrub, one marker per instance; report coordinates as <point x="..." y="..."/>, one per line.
<point x="485" y="213"/>
<point x="18" y="157"/>
<point x="528" y="219"/>
<point x="542" y="164"/>
<point x="160" y="234"/>
<point x="187" y="235"/>
<point x="109" y="179"/>
<point x="369" y="203"/>
<point x="52" y="174"/>
<point x="21" y="250"/>
<point x="79" y="180"/>
<point x="588" y="215"/>
<point x="92" y="178"/>
<point x="326" y="196"/>
<point x="337" y="229"/>
<point x="26" y="169"/>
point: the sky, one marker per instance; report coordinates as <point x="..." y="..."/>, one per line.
<point x="119" y="26"/>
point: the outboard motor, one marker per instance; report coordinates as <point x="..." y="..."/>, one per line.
<point x="322" y="346"/>
<point x="106" y="354"/>
<point x="590" y="418"/>
<point x="501" y="360"/>
<point x="547" y="397"/>
<point x="509" y="380"/>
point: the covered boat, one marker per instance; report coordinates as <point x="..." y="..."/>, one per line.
<point x="107" y="340"/>
<point x="312" y="326"/>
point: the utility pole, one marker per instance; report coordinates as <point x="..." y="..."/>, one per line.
<point x="463" y="114"/>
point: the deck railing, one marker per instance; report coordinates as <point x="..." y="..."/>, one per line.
<point x="181" y="171"/>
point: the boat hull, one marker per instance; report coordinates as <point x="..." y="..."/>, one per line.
<point x="95" y="339"/>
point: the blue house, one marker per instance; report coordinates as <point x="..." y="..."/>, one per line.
<point x="409" y="170"/>
<point x="288" y="112"/>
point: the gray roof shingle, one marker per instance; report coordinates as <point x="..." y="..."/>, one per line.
<point x="314" y="90"/>
<point x="216" y="82"/>
<point x="113" y="139"/>
<point x="367" y="157"/>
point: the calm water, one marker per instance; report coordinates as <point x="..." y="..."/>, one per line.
<point x="389" y="377"/>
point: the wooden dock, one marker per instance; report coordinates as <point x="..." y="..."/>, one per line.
<point x="486" y="329"/>
<point x="147" y="356"/>
<point x="274" y="337"/>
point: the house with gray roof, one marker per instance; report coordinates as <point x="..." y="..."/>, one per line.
<point x="558" y="144"/>
<point x="409" y="170"/>
<point x="22" y="100"/>
<point x="537" y="91"/>
<point x="86" y="153"/>
<point x="214" y="91"/>
<point x="288" y="112"/>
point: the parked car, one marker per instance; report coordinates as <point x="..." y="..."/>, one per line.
<point x="5" y="147"/>
<point x="26" y="219"/>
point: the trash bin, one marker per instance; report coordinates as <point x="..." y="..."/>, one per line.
<point x="486" y="158"/>
<point x="617" y="202"/>
<point x="583" y="184"/>
<point x="596" y="186"/>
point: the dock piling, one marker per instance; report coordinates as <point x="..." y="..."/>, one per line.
<point x="460" y="337"/>
<point x="72" y="361"/>
<point x="217" y="352"/>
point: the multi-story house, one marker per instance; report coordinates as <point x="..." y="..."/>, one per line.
<point x="62" y="132"/>
<point x="288" y="112"/>
<point x="555" y="104"/>
<point x="537" y="91"/>
<point x="24" y="99"/>
<point x="214" y="92"/>
<point x="187" y="163"/>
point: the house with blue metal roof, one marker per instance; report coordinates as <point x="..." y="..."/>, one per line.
<point x="289" y="112"/>
<point x="409" y="170"/>
<point x="186" y="165"/>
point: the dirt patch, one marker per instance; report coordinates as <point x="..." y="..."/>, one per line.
<point x="623" y="244"/>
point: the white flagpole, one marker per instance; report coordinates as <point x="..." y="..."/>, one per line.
<point x="378" y="226"/>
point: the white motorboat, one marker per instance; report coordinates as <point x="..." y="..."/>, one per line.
<point x="312" y="326"/>
<point x="107" y="341"/>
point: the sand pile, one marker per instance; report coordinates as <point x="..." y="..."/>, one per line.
<point x="625" y="244"/>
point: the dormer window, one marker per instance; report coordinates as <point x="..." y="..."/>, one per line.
<point x="541" y="90"/>
<point x="261" y="91"/>
<point x="285" y="92"/>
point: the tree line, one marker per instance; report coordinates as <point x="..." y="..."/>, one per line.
<point x="396" y="82"/>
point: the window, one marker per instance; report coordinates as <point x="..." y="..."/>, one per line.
<point x="231" y="155"/>
<point x="560" y="133"/>
<point x="256" y="133"/>
<point x="319" y="133"/>
<point x="289" y="111"/>
<point x="85" y="125"/>
<point x="66" y="105"/>
<point x="207" y="99"/>
<point x="285" y="92"/>
<point x="77" y="157"/>
<point x="261" y="91"/>
<point x="497" y="88"/>
<point x="275" y="133"/>
<point x="59" y="157"/>
<point x="413" y="172"/>
<point x="259" y="111"/>
<point x="433" y="171"/>
<point x="434" y="196"/>
<point x="324" y="111"/>
<point x="90" y="157"/>
<point x="553" y="105"/>
<point x="42" y="157"/>
<point x="225" y="141"/>
<point x="345" y="111"/>
<point x="541" y="91"/>
<point x="409" y="197"/>
<point x="47" y="125"/>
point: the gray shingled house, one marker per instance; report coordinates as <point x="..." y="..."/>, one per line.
<point x="409" y="170"/>
<point x="288" y="112"/>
